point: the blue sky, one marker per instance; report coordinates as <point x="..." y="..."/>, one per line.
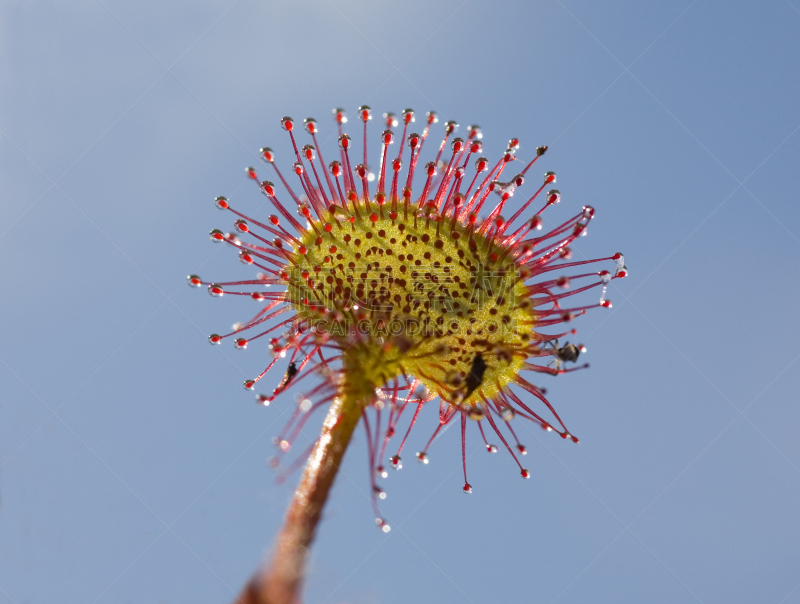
<point x="133" y="466"/>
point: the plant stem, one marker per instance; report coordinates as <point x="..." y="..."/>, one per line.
<point x="280" y="581"/>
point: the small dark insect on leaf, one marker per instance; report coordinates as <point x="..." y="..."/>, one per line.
<point x="568" y="352"/>
<point x="475" y="375"/>
<point x="291" y="371"/>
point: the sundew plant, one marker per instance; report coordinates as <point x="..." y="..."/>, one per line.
<point x="385" y="284"/>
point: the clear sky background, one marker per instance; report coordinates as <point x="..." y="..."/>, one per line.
<point x="134" y="465"/>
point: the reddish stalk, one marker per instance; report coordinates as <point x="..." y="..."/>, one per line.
<point x="280" y="580"/>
